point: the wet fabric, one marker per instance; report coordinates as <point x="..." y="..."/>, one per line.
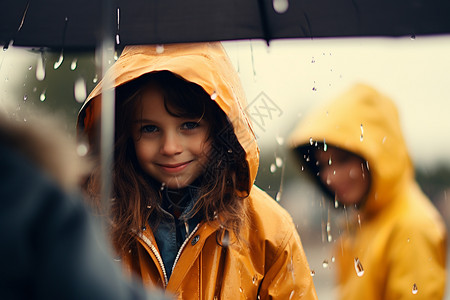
<point x="50" y="245"/>
<point x="271" y="263"/>
<point x="400" y="243"/>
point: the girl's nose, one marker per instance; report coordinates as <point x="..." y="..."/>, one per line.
<point x="171" y="144"/>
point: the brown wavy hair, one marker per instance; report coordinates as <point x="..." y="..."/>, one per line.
<point x="137" y="196"/>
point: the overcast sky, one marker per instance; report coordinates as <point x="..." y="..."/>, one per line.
<point x="298" y="74"/>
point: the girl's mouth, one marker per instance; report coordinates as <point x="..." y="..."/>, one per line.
<point x="174" y="168"/>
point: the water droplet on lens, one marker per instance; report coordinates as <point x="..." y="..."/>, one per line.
<point x="40" y="69"/>
<point x="80" y="90"/>
<point x="42" y="97"/>
<point x="159" y="49"/>
<point x="280" y="6"/>
<point x="414" y="289"/>
<point x="278" y="162"/>
<point x="278" y="197"/>
<point x="280" y="140"/>
<point x="273" y="168"/>
<point x="362" y="133"/>
<point x="82" y="150"/>
<point x="358" y="267"/>
<point x="57" y="64"/>
<point x="73" y="65"/>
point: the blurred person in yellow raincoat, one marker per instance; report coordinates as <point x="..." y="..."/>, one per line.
<point x="394" y="246"/>
<point x="186" y="215"/>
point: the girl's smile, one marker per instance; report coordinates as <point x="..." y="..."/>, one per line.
<point x="173" y="150"/>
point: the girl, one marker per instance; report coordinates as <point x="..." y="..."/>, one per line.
<point x="396" y="248"/>
<point x="186" y="216"/>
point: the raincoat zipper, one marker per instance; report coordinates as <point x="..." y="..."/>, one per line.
<point x="183" y="245"/>
<point x="158" y="257"/>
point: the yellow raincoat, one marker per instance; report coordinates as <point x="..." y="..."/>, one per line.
<point x="401" y="240"/>
<point x="273" y="264"/>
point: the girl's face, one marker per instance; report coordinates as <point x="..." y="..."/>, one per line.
<point x="172" y="150"/>
<point x="345" y="174"/>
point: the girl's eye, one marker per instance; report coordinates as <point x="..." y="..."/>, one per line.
<point x="190" y="125"/>
<point x="149" y="128"/>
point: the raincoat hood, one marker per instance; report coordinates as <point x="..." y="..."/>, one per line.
<point x="365" y="122"/>
<point x="205" y="64"/>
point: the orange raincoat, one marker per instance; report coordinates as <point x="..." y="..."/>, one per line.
<point x="273" y="264"/>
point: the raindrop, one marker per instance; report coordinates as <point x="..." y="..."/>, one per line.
<point x="230" y="151"/>
<point x="325" y="263"/>
<point x="240" y="290"/>
<point x="303" y="168"/>
<point x="278" y="197"/>
<point x="73" y="65"/>
<point x="358" y="267"/>
<point x="414" y="289"/>
<point x="336" y="202"/>
<point x="359" y="221"/>
<point x="362" y="133"/>
<point x="291" y="295"/>
<point x="280" y="140"/>
<point x="329" y="162"/>
<point x="254" y="280"/>
<point x="311" y="142"/>
<point x="57" y="64"/>
<point x="413" y="37"/>
<point x="159" y="49"/>
<point x="163" y="185"/>
<point x="149" y="206"/>
<point x="30" y="68"/>
<point x="118" y="26"/>
<point x="116" y="56"/>
<point x="80" y="90"/>
<point x="25" y="97"/>
<point x="214" y="96"/>
<point x="42" y="97"/>
<point x="273" y="168"/>
<point x="278" y="162"/>
<point x="313" y="273"/>
<point x="95" y="79"/>
<point x="325" y="146"/>
<point x="314" y="88"/>
<point x="40" y="69"/>
<point x="82" y="149"/>
<point x="333" y="259"/>
<point x="384" y="140"/>
<point x="313" y="60"/>
<point x="329" y="237"/>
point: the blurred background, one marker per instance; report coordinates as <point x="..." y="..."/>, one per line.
<point x="283" y="82"/>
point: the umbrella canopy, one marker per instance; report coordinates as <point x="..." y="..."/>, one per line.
<point x="78" y="24"/>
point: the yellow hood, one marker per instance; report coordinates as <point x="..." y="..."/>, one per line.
<point x="365" y="122"/>
<point x="205" y="64"/>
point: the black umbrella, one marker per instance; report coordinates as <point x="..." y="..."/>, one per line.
<point x="78" y="24"/>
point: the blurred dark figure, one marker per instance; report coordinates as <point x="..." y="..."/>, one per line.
<point x="51" y="247"/>
<point x="393" y="244"/>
